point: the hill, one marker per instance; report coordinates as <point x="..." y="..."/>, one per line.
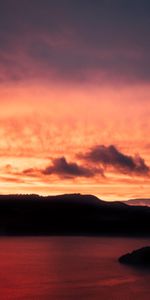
<point x="73" y="214"/>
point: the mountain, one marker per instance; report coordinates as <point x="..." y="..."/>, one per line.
<point x="137" y="202"/>
<point x="73" y="214"/>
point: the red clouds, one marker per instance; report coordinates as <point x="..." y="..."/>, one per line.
<point x="74" y="41"/>
<point x="74" y="73"/>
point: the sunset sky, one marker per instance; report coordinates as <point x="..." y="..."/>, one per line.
<point x="75" y="97"/>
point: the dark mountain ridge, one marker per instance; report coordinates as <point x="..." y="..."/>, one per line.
<point x="73" y="214"/>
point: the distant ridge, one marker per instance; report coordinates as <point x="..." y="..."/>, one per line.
<point x="138" y="202"/>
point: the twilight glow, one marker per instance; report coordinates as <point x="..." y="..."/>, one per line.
<point x="75" y="97"/>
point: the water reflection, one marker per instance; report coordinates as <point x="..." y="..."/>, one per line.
<point x="71" y="268"/>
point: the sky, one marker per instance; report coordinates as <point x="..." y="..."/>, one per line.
<point x="75" y="97"/>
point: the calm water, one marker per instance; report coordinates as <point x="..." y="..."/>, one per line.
<point x="71" y="268"/>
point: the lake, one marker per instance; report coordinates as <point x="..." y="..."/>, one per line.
<point x="59" y="268"/>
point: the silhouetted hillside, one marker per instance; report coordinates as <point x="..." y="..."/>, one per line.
<point x="73" y="214"/>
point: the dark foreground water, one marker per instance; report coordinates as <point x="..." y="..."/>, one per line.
<point x="70" y="268"/>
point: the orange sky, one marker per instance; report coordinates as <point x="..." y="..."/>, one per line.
<point x="42" y="122"/>
<point x="75" y="97"/>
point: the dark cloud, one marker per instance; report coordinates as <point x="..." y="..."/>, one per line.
<point x="97" y="161"/>
<point x="74" y="39"/>
<point x="65" y="169"/>
<point x="59" y="166"/>
<point x="111" y="156"/>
